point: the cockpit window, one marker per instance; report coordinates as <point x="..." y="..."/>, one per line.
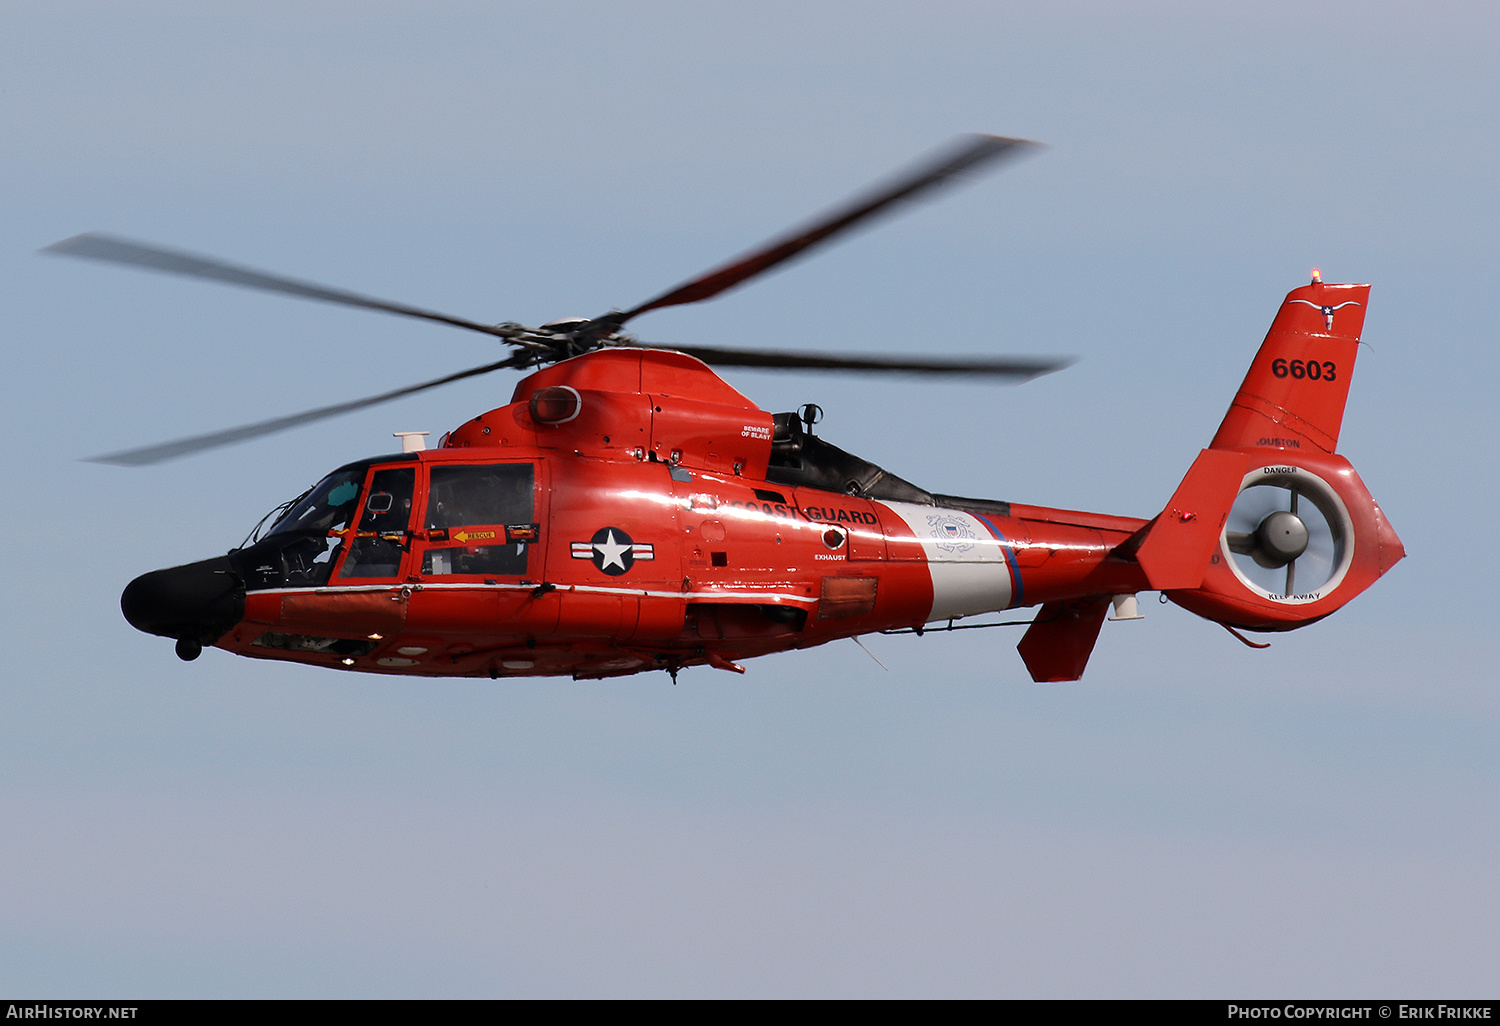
<point x="303" y="545"/>
<point x="379" y="541"/>
<point x="327" y="506"/>
<point x="298" y="551"/>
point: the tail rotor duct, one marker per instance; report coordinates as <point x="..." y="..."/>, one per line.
<point x="1288" y="535"/>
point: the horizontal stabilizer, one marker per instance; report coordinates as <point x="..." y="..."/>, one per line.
<point x="1180" y="542"/>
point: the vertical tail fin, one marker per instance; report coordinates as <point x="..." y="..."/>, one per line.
<point x="1293" y="396"/>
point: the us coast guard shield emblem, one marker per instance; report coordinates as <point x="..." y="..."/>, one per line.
<point x="951" y="533"/>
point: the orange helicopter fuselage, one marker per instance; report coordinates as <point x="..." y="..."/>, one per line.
<point x="655" y="538"/>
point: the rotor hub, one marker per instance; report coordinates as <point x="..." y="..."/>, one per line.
<point x="1282" y="536"/>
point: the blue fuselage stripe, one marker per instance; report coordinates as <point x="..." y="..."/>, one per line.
<point x="1010" y="557"/>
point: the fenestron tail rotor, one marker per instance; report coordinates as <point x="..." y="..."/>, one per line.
<point x="562" y="340"/>
<point x="1287" y="535"/>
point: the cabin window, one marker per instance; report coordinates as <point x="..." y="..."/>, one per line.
<point x="473" y="516"/>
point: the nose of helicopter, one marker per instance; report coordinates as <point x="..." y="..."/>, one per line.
<point x="195" y="603"/>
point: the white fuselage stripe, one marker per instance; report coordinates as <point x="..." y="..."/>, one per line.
<point x="761" y="596"/>
<point x="970" y="572"/>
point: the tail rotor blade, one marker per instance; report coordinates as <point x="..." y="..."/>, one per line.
<point x="1254" y="505"/>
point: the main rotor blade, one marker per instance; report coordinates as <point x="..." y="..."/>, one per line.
<point x="968" y="153"/>
<point x="108" y="248"/>
<point x="1021" y="368"/>
<point x="197" y="443"/>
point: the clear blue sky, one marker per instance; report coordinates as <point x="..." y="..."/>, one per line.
<point x="1193" y="819"/>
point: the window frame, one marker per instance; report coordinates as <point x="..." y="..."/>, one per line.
<point x="423" y="542"/>
<point x="403" y="564"/>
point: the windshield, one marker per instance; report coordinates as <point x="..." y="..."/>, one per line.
<point x="302" y="547"/>
<point x="327" y="506"/>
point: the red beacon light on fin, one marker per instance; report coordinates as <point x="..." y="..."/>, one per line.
<point x="1317" y="277"/>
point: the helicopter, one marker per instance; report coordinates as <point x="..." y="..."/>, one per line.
<point x="630" y="511"/>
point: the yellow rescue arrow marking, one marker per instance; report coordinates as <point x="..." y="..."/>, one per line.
<point x="464" y="536"/>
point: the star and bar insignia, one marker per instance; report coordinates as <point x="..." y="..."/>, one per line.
<point x="612" y="551"/>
